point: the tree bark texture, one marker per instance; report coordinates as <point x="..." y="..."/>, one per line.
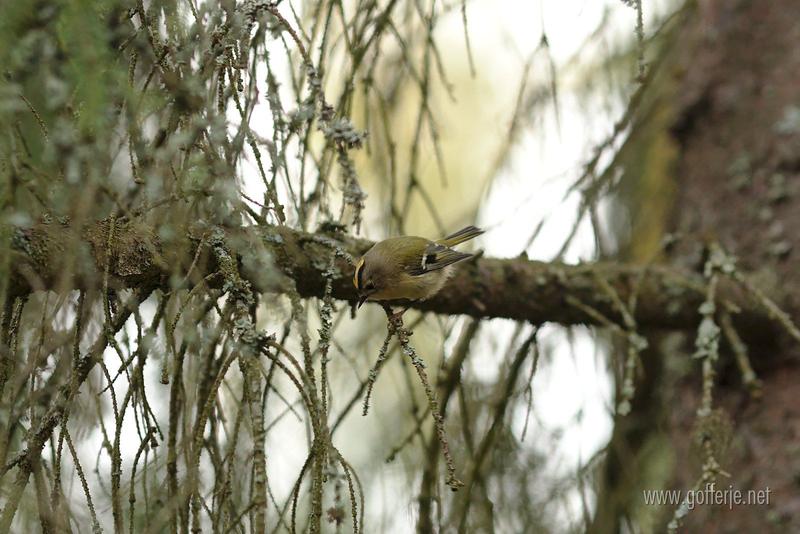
<point x="723" y="112"/>
<point x="275" y="258"/>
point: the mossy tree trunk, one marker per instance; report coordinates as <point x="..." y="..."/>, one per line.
<point x="716" y="149"/>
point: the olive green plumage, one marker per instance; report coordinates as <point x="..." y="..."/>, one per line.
<point x="409" y="267"/>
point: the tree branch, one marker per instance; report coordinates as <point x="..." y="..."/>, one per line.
<point x="273" y="258"/>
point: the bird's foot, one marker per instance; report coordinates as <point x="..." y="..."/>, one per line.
<point x="395" y="317"/>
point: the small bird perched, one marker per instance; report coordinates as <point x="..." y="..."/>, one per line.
<point x="409" y="267"/>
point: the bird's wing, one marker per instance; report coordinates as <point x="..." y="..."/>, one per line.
<point x="436" y="257"/>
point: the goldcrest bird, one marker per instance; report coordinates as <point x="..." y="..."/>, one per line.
<point x="409" y="267"/>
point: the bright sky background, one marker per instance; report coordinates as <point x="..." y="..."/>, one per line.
<point x="571" y="391"/>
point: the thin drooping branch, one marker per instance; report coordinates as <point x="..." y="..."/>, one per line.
<point x="36" y="439"/>
<point x="517" y="288"/>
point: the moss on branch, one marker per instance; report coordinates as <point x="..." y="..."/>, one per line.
<point x="516" y="288"/>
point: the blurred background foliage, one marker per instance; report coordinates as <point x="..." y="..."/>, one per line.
<point x="384" y="117"/>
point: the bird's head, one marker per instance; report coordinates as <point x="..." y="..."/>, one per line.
<point x="366" y="279"/>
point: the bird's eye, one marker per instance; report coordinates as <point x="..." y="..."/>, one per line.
<point x="370" y="285"/>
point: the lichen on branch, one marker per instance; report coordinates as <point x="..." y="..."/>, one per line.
<point x="514" y="288"/>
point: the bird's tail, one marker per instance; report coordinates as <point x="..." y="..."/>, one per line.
<point x="465" y="234"/>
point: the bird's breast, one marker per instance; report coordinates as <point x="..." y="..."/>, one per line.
<point x="414" y="287"/>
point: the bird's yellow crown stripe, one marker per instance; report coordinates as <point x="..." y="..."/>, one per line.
<point x="357" y="275"/>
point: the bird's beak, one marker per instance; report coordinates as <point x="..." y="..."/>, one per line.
<point x="361" y="300"/>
